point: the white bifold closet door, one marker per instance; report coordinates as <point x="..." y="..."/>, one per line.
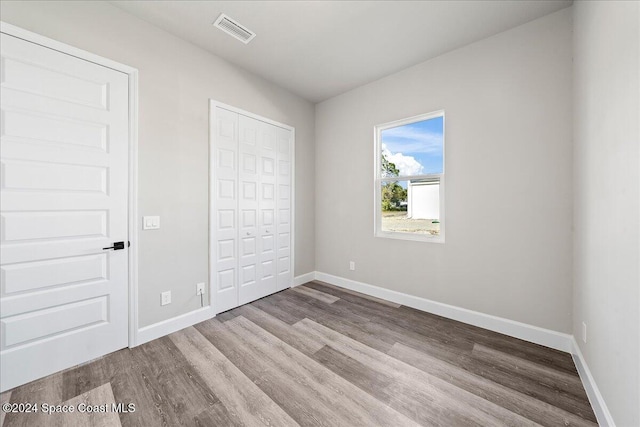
<point x="251" y="208"/>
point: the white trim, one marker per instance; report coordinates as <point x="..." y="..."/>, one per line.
<point x="303" y="278"/>
<point x="213" y="103"/>
<point x="212" y="250"/>
<point x="169" y="326"/>
<point x="133" y="208"/>
<point x="412" y="119"/>
<point x="593" y="393"/>
<point x="534" y="334"/>
<point x="64" y="48"/>
<point x="378" y="180"/>
<point x="133" y="152"/>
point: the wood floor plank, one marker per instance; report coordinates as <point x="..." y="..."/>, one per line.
<point x="294" y="382"/>
<point x="543" y="374"/>
<point x="102" y="395"/>
<point x="520" y="348"/>
<point x="4" y="398"/>
<point x="356" y="298"/>
<point x="338" y="318"/>
<point x="458" y="348"/>
<point x="83" y="378"/>
<point x="520" y="403"/>
<point x="321" y="387"/>
<point x="440" y="402"/>
<point x="393" y="320"/>
<point x="242" y="398"/>
<point x="182" y="386"/>
<point x="493" y="372"/>
<point x="132" y="382"/>
<point x="323" y="286"/>
<point x="272" y="307"/>
<point x="267" y="377"/>
<point x="217" y="415"/>
<point x="321" y="296"/>
<point x="280" y="329"/>
<point x="370" y="380"/>
<point x="45" y="390"/>
<point x="227" y="315"/>
<point x="366" y="379"/>
<point x="301" y="304"/>
<point x="410" y="316"/>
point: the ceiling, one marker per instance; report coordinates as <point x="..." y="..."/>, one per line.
<point x="319" y="49"/>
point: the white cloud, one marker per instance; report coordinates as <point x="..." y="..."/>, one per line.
<point x="407" y="165"/>
<point x="408" y="140"/>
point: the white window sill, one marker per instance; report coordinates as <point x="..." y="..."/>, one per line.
<point x="410" y="236"/>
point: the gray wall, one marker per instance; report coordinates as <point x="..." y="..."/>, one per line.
<point x="606" y="199"/>
<point x="176" y="81"/>
<point x="508" y="177"/>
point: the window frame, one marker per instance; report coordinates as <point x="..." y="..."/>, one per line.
<point x="378" y="180"/>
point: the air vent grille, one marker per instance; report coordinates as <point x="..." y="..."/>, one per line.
<point x="234" y="28"/>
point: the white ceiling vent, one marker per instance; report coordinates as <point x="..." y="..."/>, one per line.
<point x="234" y="28"/>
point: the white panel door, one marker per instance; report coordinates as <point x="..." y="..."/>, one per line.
<point x="268" y="208"/>
<point x="284" y="181"/>
<point x="258" y="258"/>
<point x="64" y="160"/>
<point x="224" y="225"/>
<point x="249" y="179"/>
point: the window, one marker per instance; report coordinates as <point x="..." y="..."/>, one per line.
<point x="409" y="178"/>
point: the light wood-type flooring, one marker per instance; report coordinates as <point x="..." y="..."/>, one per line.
<point x="320" y="355"/>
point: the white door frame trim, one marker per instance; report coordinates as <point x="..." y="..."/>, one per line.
<point x="29" y="36"/>
<point x="212" y="105"/>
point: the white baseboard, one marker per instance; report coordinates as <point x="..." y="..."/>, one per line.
<point x="593" y="393"/>
<point x="304" y="278"/>
<point x="534" y="334"/>
<point x="172" y="325"/>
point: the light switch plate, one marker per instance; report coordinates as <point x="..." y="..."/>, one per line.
<point x="150" y="222"/>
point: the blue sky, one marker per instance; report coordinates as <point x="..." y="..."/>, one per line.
<point x="415" y="148"/>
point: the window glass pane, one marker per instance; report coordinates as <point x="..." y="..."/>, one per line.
<point x="411" y="206"/>
<point x="412" y="149"/>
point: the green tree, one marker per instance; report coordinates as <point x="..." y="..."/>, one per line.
<point x="388" y="168"/>
<point x="392" y="192"/>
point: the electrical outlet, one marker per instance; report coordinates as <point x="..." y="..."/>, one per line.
<point x="352" y="265"/>
<point x="584" y="332"/>
<point x="200" y="288"/>
<point x="165" y="298"/>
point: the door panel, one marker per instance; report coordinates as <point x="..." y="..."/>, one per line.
<point x="225" y="202"/>
<point x="267" y="206"/>
<point x="64" y="189"/>
<point x="284" y="270"/>
<point x="250" y="179"/>
<point x="252" y="284"/>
